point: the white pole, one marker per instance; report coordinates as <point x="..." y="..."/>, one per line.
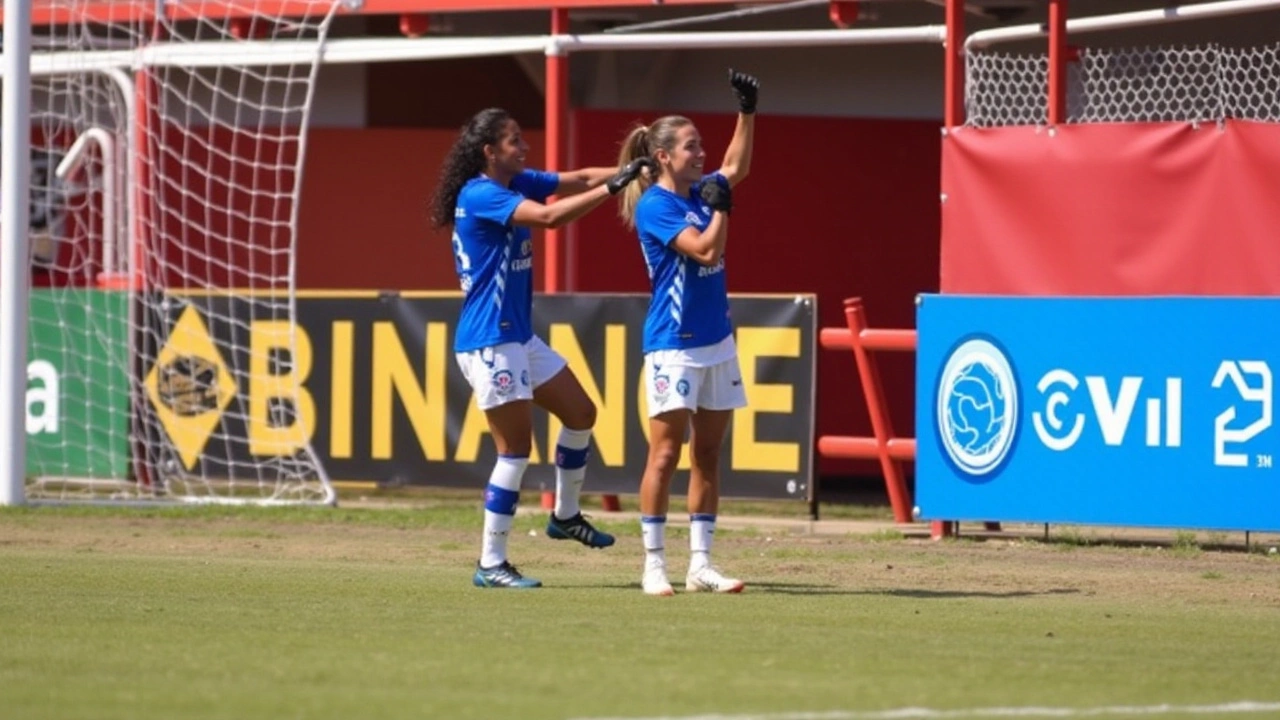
<point x="15" y="263"/>
<point x="73" y="161"/>
<point x="930" y="34"/>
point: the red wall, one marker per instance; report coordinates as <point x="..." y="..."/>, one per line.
<point x="364" y="209"/>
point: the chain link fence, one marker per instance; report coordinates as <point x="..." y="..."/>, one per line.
<point x="1202" y="83"/>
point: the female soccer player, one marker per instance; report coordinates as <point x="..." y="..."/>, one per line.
<point x="491" y="201"/>
<point x="691" y="361"/>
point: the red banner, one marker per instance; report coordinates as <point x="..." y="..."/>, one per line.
<point x="1132" y="209"/>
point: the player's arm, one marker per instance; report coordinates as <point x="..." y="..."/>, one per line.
<point x="737" y="157"/>
<point x="705" y="246"/>
<point x="531" y="213"/>
<point x="581" y="180"/>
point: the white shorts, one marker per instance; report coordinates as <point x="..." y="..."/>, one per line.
<point x="510" y="371"/>
<point x="689" y="387"/>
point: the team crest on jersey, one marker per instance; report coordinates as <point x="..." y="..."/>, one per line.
<point x="694" y="219"/>
<point x="503" y="382"/>
<point x="682" y="387"/>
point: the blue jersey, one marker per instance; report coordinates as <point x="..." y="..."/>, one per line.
<point x="494" y="259"/>
<point x="690" y="303"/>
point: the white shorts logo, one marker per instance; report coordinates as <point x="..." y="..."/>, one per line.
<point x="661" y="386"/>
<point x="503" y="382"/>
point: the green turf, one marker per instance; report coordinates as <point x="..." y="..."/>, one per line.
<point x="233" y="613"/>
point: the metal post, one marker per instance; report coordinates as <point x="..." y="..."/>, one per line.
<point x="557" y="104"/>
<point x="1057" y="62"/>
<point x="953" y="91"/>
<point x="15" y="267"/>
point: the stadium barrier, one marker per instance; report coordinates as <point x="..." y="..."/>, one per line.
<point x="885" y="446"/>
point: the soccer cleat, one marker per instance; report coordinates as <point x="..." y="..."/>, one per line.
<point x="708" y="579"/>
<point x="577" y="528"/>
<point x="502" y="576"/>
<point x="655" y="582"/>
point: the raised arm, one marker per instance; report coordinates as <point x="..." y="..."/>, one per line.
<point x="737" y="158"/>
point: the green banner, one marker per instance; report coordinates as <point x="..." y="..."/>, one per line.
<point x="78" y="384"/>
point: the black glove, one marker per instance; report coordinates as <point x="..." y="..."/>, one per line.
<point x="628" y="173"/>
<point x="717" y="196"/>
<point x="746" y="87"/>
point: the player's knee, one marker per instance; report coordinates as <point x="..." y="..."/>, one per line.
<point x="663" y="458"/>
<point x="581" y="417"/>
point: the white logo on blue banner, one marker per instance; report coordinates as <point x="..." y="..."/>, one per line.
<point x="977" y="407"/>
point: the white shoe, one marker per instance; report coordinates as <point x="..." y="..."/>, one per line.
<point x="655" y="582"/>
<point x="708" y="579"/>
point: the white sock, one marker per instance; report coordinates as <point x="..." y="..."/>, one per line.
<point x="702" y="528"/>
<point x="571" y="470"/>
<point x="500" y="500"/>
<point x="654" y="530"/>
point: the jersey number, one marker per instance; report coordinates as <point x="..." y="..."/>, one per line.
<point x="463" y="262"/>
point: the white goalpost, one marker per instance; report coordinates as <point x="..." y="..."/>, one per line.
<point x="14" y="169"/>
<point x="165" y="161"/>
<point x="164" y="193"/>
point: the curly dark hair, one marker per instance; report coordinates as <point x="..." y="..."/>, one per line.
<point x="465" y="160"/>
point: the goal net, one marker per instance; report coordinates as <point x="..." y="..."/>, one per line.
<point x="1189" y="83"/>
<point x="162" y="361"/>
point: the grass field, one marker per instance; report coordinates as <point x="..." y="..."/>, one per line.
<point x="355" y="613"/>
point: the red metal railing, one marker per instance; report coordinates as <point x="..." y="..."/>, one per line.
<point x="892" y="451"/>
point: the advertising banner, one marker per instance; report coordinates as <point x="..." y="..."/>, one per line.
<point x="381" y="397"/>
<point x="1121" y="411"/>
<point x="77" y="418"/>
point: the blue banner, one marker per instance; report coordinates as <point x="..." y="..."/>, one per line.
<point x="1118" y="411"/>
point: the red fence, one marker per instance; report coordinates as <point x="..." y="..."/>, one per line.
<point x="886" y="446"/>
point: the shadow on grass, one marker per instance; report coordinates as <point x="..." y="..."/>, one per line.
<point x="768" y="587"/>
<point x="782" y="588"/>
<point x="812" y="589"/>
<point x="948" y="594"/>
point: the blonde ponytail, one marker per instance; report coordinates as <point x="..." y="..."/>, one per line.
<point x="634" y="147"/>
